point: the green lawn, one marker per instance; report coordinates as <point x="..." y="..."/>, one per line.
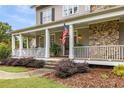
<point x="13" y="69"/>
<point x="34" y="82"/>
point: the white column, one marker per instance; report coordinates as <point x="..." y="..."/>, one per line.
<point x="13" y="45"/>
<point x="47" y="44"/>
<point x="71" y="41"/>
<point x="20" y="44"/>
<point x="27" y="42"/>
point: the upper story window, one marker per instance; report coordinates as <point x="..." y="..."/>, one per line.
<point x="47" y="16"/>
<point x="87" y="8"/>
<point x="70" y="9"/>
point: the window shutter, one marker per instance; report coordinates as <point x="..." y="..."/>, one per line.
<point x="53" y="14"/>
<point x="41" y="17"/>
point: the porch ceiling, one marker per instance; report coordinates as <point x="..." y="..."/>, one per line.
<point x="33" y="34"/>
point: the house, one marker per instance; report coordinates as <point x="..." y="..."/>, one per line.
<point x="96" y="33"/>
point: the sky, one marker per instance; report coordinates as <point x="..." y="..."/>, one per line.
<point x="18" y="16"/>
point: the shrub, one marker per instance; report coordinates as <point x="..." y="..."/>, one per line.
<point x="36" y="64"/>
<point x="68" y="68"/>
<point x="82" y="67"/>
<point x="65" y="69"/>
<point x="26" y="62"/>
<point x="118" y="70"/>
<point x="5" y="51"/>
<point x="55" y="49"/>
<point x="104" y="76"/>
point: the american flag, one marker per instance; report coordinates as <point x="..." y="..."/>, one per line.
<point x="64" y="35"/>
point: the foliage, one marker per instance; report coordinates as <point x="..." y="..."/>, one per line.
<point x="5" y="51"/>
<point x="26" y="62"/>
<point x="65" y="69"/>
<point x="4" y="36"/>
<point x="55" y="48"/>
<point x="82" y="67"/>
<point x="33" y="82"/>
<point x="13" y="69"/>
<point x="104" y="76"/>
<point x="118" y="70"/>
<point x="68" y="68"/>
<point x="24" y="42"/>
<point x="78" y="44"/>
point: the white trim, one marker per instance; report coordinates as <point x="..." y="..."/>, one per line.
<point x="13" y="44"/>
<point x="20" y="44"/>
<point x="108" y="63"/>
<point x="71" y="41"/>
<point x="47" y="44"/>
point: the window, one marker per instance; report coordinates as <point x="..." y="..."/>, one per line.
<point x="65" y="10"/>
<point x="87" y="8"/>
<point x="47" y="16"/>
<point x="75" y="9"/>
<point x="70" y="9"/>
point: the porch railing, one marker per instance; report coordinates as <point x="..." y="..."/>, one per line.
<point x="31" y="52"/>
<point x="108" y="52"/>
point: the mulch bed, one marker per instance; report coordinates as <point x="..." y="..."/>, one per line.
<point x="93" y="79"/>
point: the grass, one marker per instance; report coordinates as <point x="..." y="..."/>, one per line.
<point x="33" y="82"/>
<point x="13" y="69"/>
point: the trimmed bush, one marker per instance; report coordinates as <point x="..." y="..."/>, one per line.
<point x="65" y="69"/>
<point x="26" y="62"/>
<point x="118" y="70"/>
<point x="82" y="67"/>
<point x="69" y="68"/>
<point x="5" y="51"/>
<point x="36" y="64"/>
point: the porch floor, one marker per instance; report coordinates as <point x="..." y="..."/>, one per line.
<point x="96" y="62"/>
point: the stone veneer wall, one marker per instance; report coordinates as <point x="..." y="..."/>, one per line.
<point x="100" y="7"/>
<point x="105" y="33"/>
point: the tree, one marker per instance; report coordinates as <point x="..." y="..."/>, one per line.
<point x="4" y="36"/>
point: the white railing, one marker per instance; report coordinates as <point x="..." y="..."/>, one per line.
<point x="108" y="52"/>
<point x="31" y="52"/>
<point x="15" y="53"/>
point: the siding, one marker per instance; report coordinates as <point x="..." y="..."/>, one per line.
<point x="58" y="12"/>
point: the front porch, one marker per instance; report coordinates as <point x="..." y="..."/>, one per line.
<point x="98" y="38"/>
<point x="84" y="47"/>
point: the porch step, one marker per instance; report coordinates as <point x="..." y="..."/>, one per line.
<point x="51" y="64"/>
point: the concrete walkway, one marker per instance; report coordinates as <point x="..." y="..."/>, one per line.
<point x="37" y="72"/>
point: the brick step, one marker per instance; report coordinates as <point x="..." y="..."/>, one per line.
<point x="52" y="63"/>
<point x="49" y="66"/>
